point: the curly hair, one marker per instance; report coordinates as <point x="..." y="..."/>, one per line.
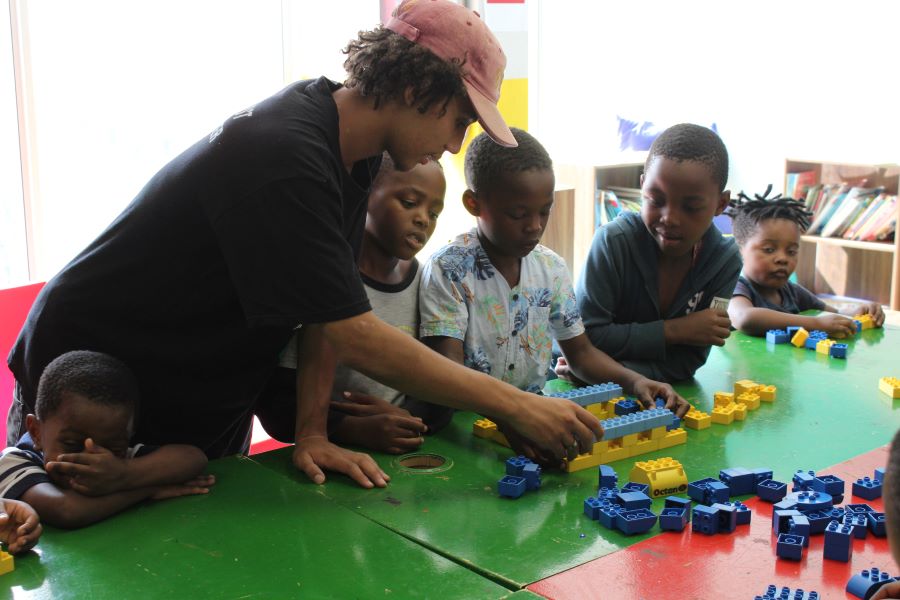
<point x="382" y="64"/>
<point x="487" y="161"/>
<point x="687" y="141"/>
<point x="747" y="213"/>
<point x="98" y="377"/>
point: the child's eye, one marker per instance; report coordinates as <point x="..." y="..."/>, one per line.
<point x="407" y="203"/>
<point x="792" y="252"/>
<point x="434" y="216"/>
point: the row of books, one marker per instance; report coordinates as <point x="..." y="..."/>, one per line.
<point x="851" y="213"/>
<point x="611" y="201"/>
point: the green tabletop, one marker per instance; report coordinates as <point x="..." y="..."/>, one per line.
<point x="255" y="535"/>
<point x="826" y="411"/>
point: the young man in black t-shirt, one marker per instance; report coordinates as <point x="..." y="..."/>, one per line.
<point x="253" y="232"/>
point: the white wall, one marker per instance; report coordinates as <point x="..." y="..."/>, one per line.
<point x="802" y="79"/>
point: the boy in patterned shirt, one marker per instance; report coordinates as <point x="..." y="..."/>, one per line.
<point x="494" y="298"/>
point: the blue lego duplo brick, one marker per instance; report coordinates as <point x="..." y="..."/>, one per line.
<point x="673" y="519"/>
<point x="879" y="474"/>
<point x="781" y="520"/>
<point x="608" y="477"/>
<point x="777" y="336"/>
<point x="742" y="512"/>
<point x="634" y="500"/>
<point x="858" y="509"/>
<point x="799" y="525"/>
<point x="608" y="493"/>
<point x="789" y="546"/>
<point x="810" y="501"/>
<point x="838" y="350"/>
<point x="838" y="542"/>
<point x="532" y="474"/>
<point x="679" y="502"/>
<point x="705" y="519"/>
<point x="592" y="507"/>
<point x="792" y="330"/>
<point x="607" y="515"/>
<point x="515" y="464"/>
<point x="697" y="489"/>
<point x="771" y="491"/>
<point x="716" y="491"/>
<point x="626" y="407"/>
<point x="803" y="480"/>
<point x="865" y="584"/>
<point x="876" y="524"/>
<point x="859" y="523"/>
<point x="818" y="521"/>
<point x="740" y="481"/>
<point x="511" y="486"/>
<point x="761" y="474"/>
<point x="867" y="488"/>
<point x="633" y="486"/>
<point x="828" y="484"/>
<point x="817" y="333"/>
<point x="727" y="515"/>
<point x="786" y="593"/>
<point x="810" y="343"/>
<point x="631" y="522"/>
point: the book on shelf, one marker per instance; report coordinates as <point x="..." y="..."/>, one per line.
<point x="848" y="210"/>
<point x="613" y="200"/>
<point x="798" y="184"/>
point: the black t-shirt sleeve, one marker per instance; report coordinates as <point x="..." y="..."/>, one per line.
<point x="805" y="299"/>
<point x="288" y="255"/>
<point x="742" y="289"/>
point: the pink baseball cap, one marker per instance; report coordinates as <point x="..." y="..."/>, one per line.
<point x="452" y="31"/>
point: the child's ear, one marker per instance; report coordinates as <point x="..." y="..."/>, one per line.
<point x="642" y="180"/>
<point x="471" y="202"/>
<point x="33" y="425"/>
<point x="724" y="199"/>
<point x="409" y="95"/>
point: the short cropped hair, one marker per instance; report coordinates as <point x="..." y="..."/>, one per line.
<point x="891" y="491"/>
<point x="747" y="213"/>
<point x="687" y="141"/>
<point x="382" y="64"/>
<point x="98" y="377"/>
<point x="487" y="161"/>
<point x="388" y="167"/>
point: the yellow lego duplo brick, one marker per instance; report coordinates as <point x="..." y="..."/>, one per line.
<point x="799" y="338"/>
<point x="7" y="564"/>
<point x="599" y="410"/>
<point x="644" y="445"/>
<point x="697" y="419"/>
<point x="743" y="386"/>
<point x="723" y="415"/>
<point x="740" y="411"/>
<point x="600" y="447"/>
<point x="665" y="476"/>
<point x="673" y="438"/>
<point x="890" y="386"/>
<point x="614" y="452"/>
<point x="750" y="399"/>
<point x="865" y="320"/>
<point x="629" y="440"/>
<point x="824" y="346"/>
<point x="723" y="398"/>
<point x="766" y="393"/>
<point x="657" y="433"/>
<point x="583" y="461"/>
<point x="484" y="428"/>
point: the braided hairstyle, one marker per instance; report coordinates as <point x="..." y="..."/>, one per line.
<point x="383" y="65"/>
<point x="747" y="213"/>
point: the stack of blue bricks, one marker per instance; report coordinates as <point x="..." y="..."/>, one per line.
<point x="521" y="475"/>
<point x="636" y="422"/>
<point x="592" y="394"/>
<point x="772" y="593"/>
<point x="865" y="584"/>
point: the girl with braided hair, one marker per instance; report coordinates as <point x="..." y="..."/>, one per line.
<point x="767" y="231"/>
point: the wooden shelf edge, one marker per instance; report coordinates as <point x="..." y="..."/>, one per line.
<point x="876" y="246"/>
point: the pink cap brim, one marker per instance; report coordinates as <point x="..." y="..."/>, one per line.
<point x="490" y="118"/>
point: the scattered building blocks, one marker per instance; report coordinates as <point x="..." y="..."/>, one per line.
<point x="484" y="428"/>
<point x="803" y="480"/>
<point x="858" y="509"/>
<point x="515" y="465"/>
<point x="789" y="546"/>
<point x="705" y="519"/>
<point x="708" y="491"/>
<point x="608" y="514"/>
<point x="511" y="486"/>
<point x="740" y="481"/>
<point x="750" y="399"/>
<point x="766" y="393"/>
<point x="800" y="337"/>
<point x="838" y="542"/>
<point x="811" y="501"/>
<point x="865" y="584"/>
<point x="890" y="386"/>
<point x="828" y="484"/>
<point x="723" y="415"/>
<point x="742" y="512"/>
<point x="799" y="525"/>
<point x="761" y="473"/>
<point x="727" y="515"/>
<point x="697" y="419"/>
<point x="592" y="507"/>
<point x="824" y="346"/>
<point x="723" y="398"/>
<point x="818" y="521"/>
<point x="608" y="493"/>
<point x="858" y="325"/>
<point x="867" y="488"/>
<point x="777" y="336"/>
<point x="879" y="474"/>
<point x="838" y="350"/>
<point x="743" y="386"/>
<point x="633" y="500"/>
<point x="876" y="524"/>
<point x="664" y="476"/>
<point x="673" y="438"/>
<point x="608" y="477"/>
<point x="673" y="519"/>
<point x="636" y="486"/>
<point x="836" y="513"/>
<point x="865" y="321"/>
<point x="771" y="490"/>
<point x="7" y="563"/>
<point x="631" y="522"/>
<point x="532" y="474"/>
<point x="788" y="503"/>
<point x="791" y="330"/>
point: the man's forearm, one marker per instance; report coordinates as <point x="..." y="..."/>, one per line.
<point x="315" y="378"/>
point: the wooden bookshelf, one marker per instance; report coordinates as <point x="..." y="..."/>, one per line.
<point x="830" y="265"/>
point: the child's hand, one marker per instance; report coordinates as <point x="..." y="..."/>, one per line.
<point x="888" y="590"/>
<point x="197" y="486"/>
<point x="20" y="526"/>
<point x="835" y="325"/>
<point x="873" y="309"/>
<point x="648" y="390"/>
<point x="564" y="372"/>
<point x="525" y="447"/>
<point x="364" y="405"/>
<point x="314" y="453"/>
<point x="708" y="327"/>
<point x="387" y="432"/>
<point x="94" y="472"/>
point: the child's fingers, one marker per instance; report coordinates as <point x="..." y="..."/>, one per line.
<point x="70" y="469"/>
<point x="355" y="409"/>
